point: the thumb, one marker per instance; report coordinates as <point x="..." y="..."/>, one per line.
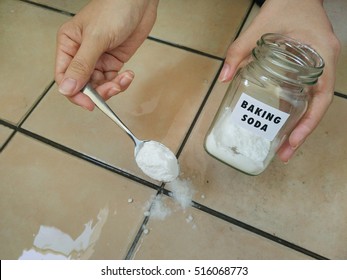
<point x="238" y="54"/>
<point x="81" y="67"/>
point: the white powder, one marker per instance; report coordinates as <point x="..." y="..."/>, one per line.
<point x="146" y="213"/>
<point x="189" y="219"/>
<point x="237" y="146"/>
<point x="157" y="161"/>
<point x="51" y="243"/>
<point x="158" y="210"/>
<point x="182" y="192"/>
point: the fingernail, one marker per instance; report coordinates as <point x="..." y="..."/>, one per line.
<point x="224" y="73"/>
<point x="67" y="86"/>
<point x="125" y="81"/>
<point x="112" y="91"/>
<point x="294" y="147"/>
<point x="87" y="108"/>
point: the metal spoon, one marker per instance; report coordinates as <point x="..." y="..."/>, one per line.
<point x="101" y="104"/>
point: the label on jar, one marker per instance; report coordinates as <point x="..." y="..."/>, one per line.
<point x="258" y="117"/>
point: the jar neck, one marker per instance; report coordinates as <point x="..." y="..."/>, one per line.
<point x="266" y="79"/>
<point x="288" y="60"/>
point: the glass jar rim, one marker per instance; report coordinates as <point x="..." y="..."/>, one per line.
<point x="288" y="58"/>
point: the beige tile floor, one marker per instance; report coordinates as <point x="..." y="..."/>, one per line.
<point x="69" y="187"/>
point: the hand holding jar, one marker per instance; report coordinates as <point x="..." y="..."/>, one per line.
<point x="265" y="101"/>
<point x="307" y="22"/>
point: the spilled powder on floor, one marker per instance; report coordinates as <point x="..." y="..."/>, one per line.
<point x="51" y="243"/>
<point x="182" y="192"/>
<point x="189" y="219"/>
<point x="159" y="209"/>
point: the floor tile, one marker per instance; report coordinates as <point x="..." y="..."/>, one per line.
<point x="4" y="134"/>
<point x="336" y="12"/>
<point x="193" y="234"/>
<point x="303" y="202"/>
<point x="27" y="55"/>
<point x="159" y="105"/>
<point x="204" y="25"/>
<point x="64" y="5"/>
<point x="252" y="14"/>
<point x="54" y="205"/>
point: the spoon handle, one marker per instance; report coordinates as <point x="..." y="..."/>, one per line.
<point x="102" y="105"/>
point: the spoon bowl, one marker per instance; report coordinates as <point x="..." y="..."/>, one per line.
<point x="162" y="170"/>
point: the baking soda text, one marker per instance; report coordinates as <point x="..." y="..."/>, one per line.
<point x="258" y="117"/>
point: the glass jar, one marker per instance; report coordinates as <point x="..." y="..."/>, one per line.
<point x="263" y="103"/>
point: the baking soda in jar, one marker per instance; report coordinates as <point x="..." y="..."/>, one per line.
<point x="263" y="103"/>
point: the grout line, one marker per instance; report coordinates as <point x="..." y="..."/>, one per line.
<point x="7" y="124"/>
<point x="340" y="95"/>
<point x="18" y="128"/>
<point x="245" y="19"/>
<point x="24" y="118"/>
<point x="161" y="41"/>
<point x="48" y="7"/>
<point x="182" y="47"/>
<point x="131" y="251"/>
<point x="9" y="138"/>
<point x="88" y="158"/>
<point x="257" y="231"/>
<point x="195" y="119"/>
<point x="7" y="141"/>
<point x="210" y="89"/>
<point x="36" y="103"/>
<point x="230" y="220"/>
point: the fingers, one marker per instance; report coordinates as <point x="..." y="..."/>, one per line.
<point x="82" y="100"/>
<point x="318" y="107"/>
<point x="81" y="67"/>
<point x="239" y="53"/>
<point x="322" y="96"/>
<point x="75" y="66"/>
<point x="106" y="90"/>
<point x="76" y="57"/>
<point x="117" y="85"/>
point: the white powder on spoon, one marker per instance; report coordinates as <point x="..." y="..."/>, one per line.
<point x="157" y="161"/>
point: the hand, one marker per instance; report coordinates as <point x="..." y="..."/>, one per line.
<point x="95" y="44"/>
<point x="307" y="22"/>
